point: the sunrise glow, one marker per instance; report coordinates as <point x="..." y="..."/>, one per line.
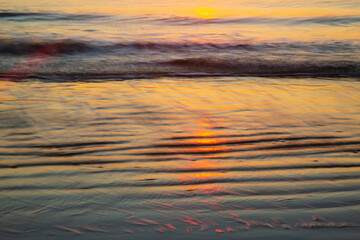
<point x="205" y="12"/>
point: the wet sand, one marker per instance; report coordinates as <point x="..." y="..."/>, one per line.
<point x="203" y="158"/>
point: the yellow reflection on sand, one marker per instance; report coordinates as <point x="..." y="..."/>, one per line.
<point x="202" y="165"/>
<point x="203" y="169"/>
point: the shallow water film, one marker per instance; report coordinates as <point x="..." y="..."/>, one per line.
<point x="179" y="119"/>
<point x="249" y="157"/>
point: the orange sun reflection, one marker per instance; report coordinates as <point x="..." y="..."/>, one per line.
<point x="204" y="138"/>
<point x="205" y="169"/>
<point x="203" y="166"/>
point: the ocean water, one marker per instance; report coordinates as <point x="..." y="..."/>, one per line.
<point x="135" y="39"/>
<point x="179" y="119"/>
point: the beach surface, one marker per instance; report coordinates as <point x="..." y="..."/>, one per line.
<point x="251" y="158"/>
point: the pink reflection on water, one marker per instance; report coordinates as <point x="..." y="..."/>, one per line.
<point x="30" y="64"/>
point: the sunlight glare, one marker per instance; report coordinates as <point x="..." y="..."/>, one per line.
<point x="205" y="12"/>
